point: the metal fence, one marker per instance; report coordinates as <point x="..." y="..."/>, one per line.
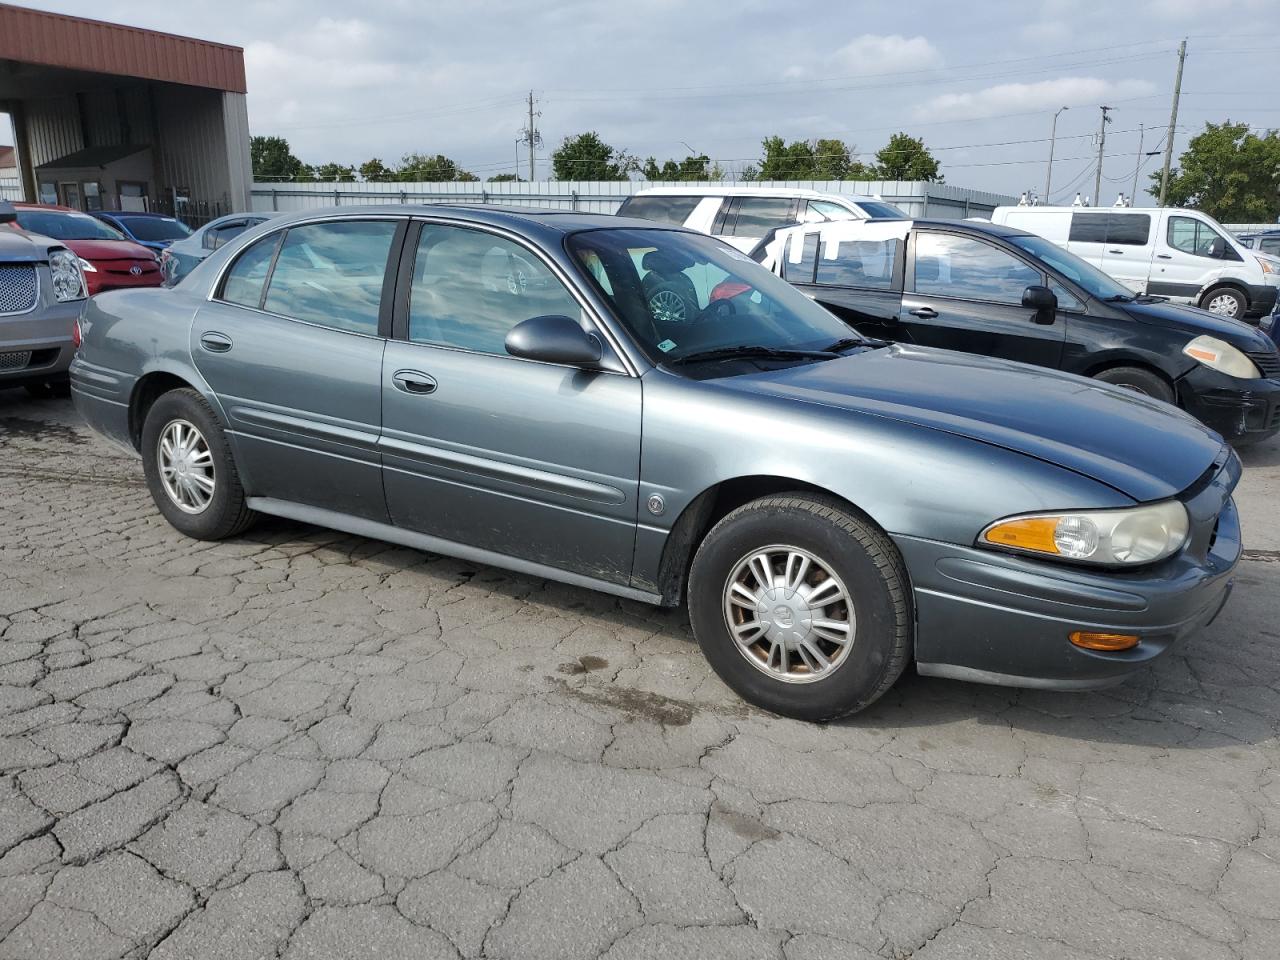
<point x="1239" y="228"/>
<point x="916" y="198"/>
<point x="10" y="188"/>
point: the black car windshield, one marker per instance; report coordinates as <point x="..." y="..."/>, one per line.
<point x="682" y="294"/>
<point x="66" y="225"/>
<point x="1081" y="272"/>
<point x="152" y="229"/>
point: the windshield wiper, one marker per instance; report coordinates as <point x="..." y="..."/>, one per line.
<point x="1119" y="298"/>
<point x="845" y="343"/>
<point x="752" y="352"/>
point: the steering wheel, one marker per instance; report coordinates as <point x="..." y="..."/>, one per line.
<point x="716" y="310"/>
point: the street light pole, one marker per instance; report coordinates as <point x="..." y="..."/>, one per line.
<point x="1053" y="137"/>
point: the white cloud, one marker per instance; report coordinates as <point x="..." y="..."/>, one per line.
<point x="871" y="54"/>
<point x="1006" y="98"/>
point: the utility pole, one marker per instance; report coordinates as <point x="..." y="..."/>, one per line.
<point x="1137" y="164"/>
<point x="1053" y="138"/>
<point x="1102" y="144"/>
<point x="532" y="137"/>
<point x="1173" y="123"/>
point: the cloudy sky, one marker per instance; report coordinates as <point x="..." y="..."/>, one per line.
<point x="978" y="81"/>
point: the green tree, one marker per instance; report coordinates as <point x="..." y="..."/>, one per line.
<point x="906" y="158"/>
<point x="821" y="159"/>
<point x="375" y="171"/>
<point x="1229" y="173"/>
<point x="506" y="178"/>
<point x="690" y="168"/>
<point x="587" y="157"/>
<point x="420" y="167"/>
<point x="331" y="172"/>
<point x="273" y="160"/>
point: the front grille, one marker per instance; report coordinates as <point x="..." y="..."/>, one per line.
<point x="1267" y="362"/>
<point x="15" y="359"/>
<point x="144" y="267"/>
<point x="19" y="287"/>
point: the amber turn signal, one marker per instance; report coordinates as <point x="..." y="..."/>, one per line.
<point x="1027" y="533"/>
<point x="1108" y="642"/>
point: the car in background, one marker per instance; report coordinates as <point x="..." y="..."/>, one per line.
<point x="42" y="294"/>
<point x="109" y="259"/>
<point x="1266" y="241"/>
<point x="181" y="257"/>
<point x="741" y="216"/>
<point x="1002" y="292"/>
<point x="490" y="384"/>
<point x="1181" y="254"/>
<point x="153" y="230"/>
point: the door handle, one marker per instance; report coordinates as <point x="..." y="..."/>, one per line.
<point x="1164" y="256"/>
<point x="924" y="313"/>
<point x="1121" y="252"/>
<point x="411" y="381"/>
<point x="215" y="342"/>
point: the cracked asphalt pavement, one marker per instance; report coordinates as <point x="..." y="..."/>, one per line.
<point x="301" y="744"/>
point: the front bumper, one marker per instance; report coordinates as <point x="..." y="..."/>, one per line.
<point x="1243" y="411"/>
<point x="998" y="618"/>
<point x="41" y="341"/>
<point x="1262" y="300"/>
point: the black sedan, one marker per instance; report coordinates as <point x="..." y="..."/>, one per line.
<point x="1002" y="292"/>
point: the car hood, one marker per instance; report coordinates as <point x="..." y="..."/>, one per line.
<point x="18" y="246"/>
<point x="1144" y="448"/>
<point x="94" y="250"/>
<point x="1199" y="322"/>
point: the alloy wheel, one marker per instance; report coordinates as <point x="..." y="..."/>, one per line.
<point x="186" y="466"/>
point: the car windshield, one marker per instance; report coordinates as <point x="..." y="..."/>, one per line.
<point x="682" y="294"/>
<point x="66" y="225"/>
<point x="156" y="228"/>
<point x="1083" y="273"/>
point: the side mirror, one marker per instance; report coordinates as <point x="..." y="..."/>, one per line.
<point x="1039" y="298"/>
<point x="7" y="212"/>
<point x="1217" y="248"/>
<point x="554" y="339"/>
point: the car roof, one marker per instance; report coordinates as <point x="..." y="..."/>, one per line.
<point x="545" y="220"/>
<point x="803" y="192"/>
<point x="123" y="214"/>
<point x="53" y="207"/>
<point x="875" y="224"/>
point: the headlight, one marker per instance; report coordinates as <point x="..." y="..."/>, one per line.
<point x="1116" y="537"/>
<point x="86" y="266"/>
<point x="1268" y="265"/>
<point x="1223" y="357"/>
<point x="68" y="281"/>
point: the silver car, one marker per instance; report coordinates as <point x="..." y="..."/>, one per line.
<point x="42" y="293"/>
<point x="506" y="386"/>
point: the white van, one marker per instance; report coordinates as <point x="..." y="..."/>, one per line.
<point x="1167" y="252"/>
<point x="743" y="215"/>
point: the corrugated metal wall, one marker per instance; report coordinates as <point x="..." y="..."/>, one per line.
<point x="918" y="199"/>
<point x="191" y="144"/>
<point x="53" y="128"/>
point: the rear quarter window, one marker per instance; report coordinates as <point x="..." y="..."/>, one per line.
<point x="859" y="263"/>
<point x="1122" y="229"/>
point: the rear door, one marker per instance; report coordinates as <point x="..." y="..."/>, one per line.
<point x="857" y="276"/>
<point x="292" y="346"/>
<point x="964" y="292"/>
<point x="1129" y="248"/>
<point x="746" y="220"/>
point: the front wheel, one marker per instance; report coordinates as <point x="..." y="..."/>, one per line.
<point x="189" y="468"/>
<point x="801" y="606"/>
<point x="1225" y="302"/>
<point x="1139" y="381"/>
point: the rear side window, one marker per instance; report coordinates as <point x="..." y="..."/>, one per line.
<point x="859" y="263"/>
<point x="756" y="216"/>
<point x="1122" y="229"/>
<point x="331" y="274"/>
<point x="217" y="236"/>
<point x="670" y="210"/>
<point x="248" y="274"/>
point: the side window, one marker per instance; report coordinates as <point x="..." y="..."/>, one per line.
<point x="331" y="274"/>
<point x="661" y="209"/>
<point x="1270" y="245"/>
<point x="216" y="237"/>
<point x="802" y="271"/>
<point x="470" y="288"/>
<point x="244" y="281"/>
<point x="1122" y="229"/>
<point x="953" y="266"/>
<point x="1067" y="301"/>
<point x="758" y="215"/>
<point x="823" y="210"/>
<point x="1196" y="238"/>
<point x="1088" y="228"/>
<point x="859" y="263"/>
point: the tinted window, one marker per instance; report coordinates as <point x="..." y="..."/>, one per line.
<point x="331" y="274"/>
<point x="470" y="288"/>
<point x="859" y="263"/>
<point x="876" y="208"/>
<point x="801" y="272"/>
<point x="156" y="228"/>
<point x="243" y="284"/>
<point x="1193" y="236"/>
<point x="65" y="225"/>
<point x="951" y="266"/>
<point x="1122" y="229"/>
<point x="672" y="210"/>
<point x="215" y="237"/>
<point x="758" y="215"/>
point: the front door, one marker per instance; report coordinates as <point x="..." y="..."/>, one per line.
<point x="1185" y="262"/>
<point x="292" y="347"/>
<point x="965" y="293"/>
<point x="530" y="460"/>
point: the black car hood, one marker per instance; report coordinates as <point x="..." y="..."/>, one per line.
<point x="1197" y="322"/>
<point x="1144" y="448"/>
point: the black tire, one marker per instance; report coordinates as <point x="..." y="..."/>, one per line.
<point x="858" y="553"/>
<point x="1225" y="294"/>
<point x="671" y="302"/>
<point x="226" y="514"/>
<point x="49" y="390"/>
<point x="1139" y="380"/>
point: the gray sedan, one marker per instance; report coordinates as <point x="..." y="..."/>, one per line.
<point x="511" y="387"/>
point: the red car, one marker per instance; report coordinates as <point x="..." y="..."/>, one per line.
<point x="108" y="258"/>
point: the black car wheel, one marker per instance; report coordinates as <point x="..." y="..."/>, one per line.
<point x="1139" y="381"/>
<point x="802" y="606"/>
<point x="189" y="468"/>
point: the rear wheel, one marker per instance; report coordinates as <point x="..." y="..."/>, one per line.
<point x="1225" y="302"/>
<point x="189" y="468"/>
<point x="801" y="606"/>
<point x="1139" y="381"/>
